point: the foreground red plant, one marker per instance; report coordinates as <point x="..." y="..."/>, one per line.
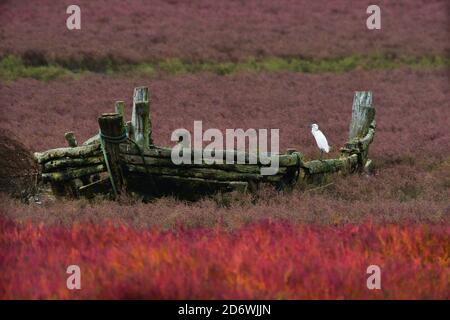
<point x="265" y="260"/>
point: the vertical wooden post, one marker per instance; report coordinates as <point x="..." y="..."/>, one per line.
<point x="130" y="130"/>
<point x="120" y="109"/>
<point x="363" y="113"/>
<point x="73" y="186"/>
<point x="111" y="129"/>
<point x="141" y="117"/>
<point x="363" y="123"/>
<point x="293" y="173"/>
<point x="71" y="140"/>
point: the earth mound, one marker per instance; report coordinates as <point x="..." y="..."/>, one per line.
<point x="18" y="169"/>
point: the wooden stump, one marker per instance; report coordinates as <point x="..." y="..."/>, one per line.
<point x="71" y="140"/>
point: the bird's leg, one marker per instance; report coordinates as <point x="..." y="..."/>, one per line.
<point x="321" y="154"/>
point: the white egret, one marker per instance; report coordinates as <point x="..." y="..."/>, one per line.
<point x="321" y="141"/>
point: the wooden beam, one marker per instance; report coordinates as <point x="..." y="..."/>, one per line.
<point x="203" y="173"/>
<point x="111" y="128"/>
<point x="227" y="186"/>
<point x="166" y="162"/>
<point x="285" y="160"/>
<point x="63" y="163"/>
<point x="330" y="165"/>
<point x="368" y="138"/>
<point x="92" y="140"/>
<point x="363" y="113"/>
<point x="76" y="152"/>
<point x="140" y="118"/>
<point x="70" y="174"/>
<point x="102" y="186"/>
<point x="190" y="184"/>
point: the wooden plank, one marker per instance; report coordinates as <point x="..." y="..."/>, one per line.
<point x="165" y="162"/>
<point x="285" y="160"/>
<point x="63" y="163"/>
<point x="203" y="173"/>
<point x="186" y="187"/>
<point x="72" y="173"/>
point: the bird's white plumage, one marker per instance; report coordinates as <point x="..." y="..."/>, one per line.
<point x="321" y="140"/>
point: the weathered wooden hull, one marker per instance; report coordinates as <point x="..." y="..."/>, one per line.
<point x="127" y="160"/>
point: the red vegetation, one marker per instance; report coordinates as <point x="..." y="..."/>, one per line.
<point x="260" y="261"/>
<point x="219" y="30"/>
<point x="397" y="193"/>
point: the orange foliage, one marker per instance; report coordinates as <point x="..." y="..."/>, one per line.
<point x="259" y="261"/>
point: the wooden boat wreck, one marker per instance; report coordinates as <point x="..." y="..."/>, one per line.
<point x="122" y="158"/>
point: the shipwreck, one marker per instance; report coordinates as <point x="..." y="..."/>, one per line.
<point x="122" y="158"/>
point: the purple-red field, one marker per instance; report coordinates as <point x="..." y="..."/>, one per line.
<point x="220" y="30"/>
<point x="399" y="193"/>
<point x="413" y="108"/>
<point x="411" y="150"/>
<point x="259" y="261"/>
